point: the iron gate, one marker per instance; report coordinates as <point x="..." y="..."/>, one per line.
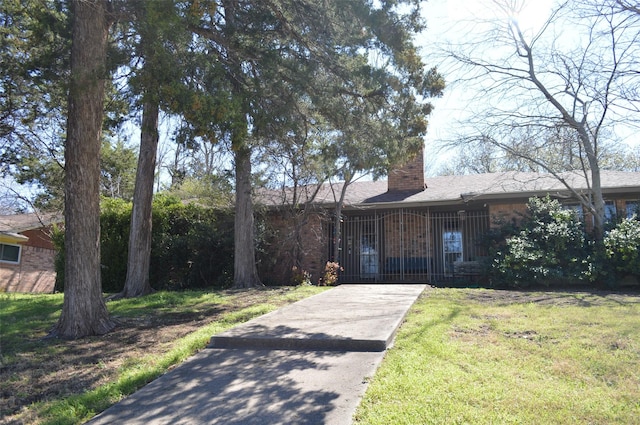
<point x="409" y="245"/>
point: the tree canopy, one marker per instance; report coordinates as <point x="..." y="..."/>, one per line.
<point x="580" y="84"/>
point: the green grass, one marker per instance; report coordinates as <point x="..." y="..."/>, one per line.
<point x="477" y="357"/>
<point x="26" y="319"/>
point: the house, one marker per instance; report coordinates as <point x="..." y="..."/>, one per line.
<point x="27" y="253"/>
<point x="409" y="229"/>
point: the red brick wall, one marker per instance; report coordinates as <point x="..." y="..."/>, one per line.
<point x="313" y="247"/>
<point x="506" y="212"/>
<point x="35" y="273"/>
<point x="405" y="235"/>
<point x="409" y="177"/>
<point x="39" y="238"/>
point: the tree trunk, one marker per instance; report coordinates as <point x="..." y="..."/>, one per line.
<point x="338" y="219"/>
<point x="84" y="311"/>
<point x="139" y="255"/>
<point x="245" y="270"/>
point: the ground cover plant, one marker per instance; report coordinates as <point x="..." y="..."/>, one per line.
<point x="52" y="381"/>
<point x="479" y="356"/>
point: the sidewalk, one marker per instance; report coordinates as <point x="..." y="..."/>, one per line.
<point x="306" y="363"/>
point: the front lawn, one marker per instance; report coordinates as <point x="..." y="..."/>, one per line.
<point x="474" y="356"/>
<point x="52" y="381"/>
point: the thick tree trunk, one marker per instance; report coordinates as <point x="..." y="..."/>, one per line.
<point x="84" y="311"/>
<point x="139" y="256"/>
<point x="245" y="270"/>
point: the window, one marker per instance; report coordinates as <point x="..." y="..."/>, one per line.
<point x="633" y="207"/>
<point x="452" y="250"/>
<point x="9" y="253"/>
<point x="609" y="211"/>
<point x="577" y="208"/>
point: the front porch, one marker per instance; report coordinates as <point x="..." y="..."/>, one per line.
<point x="410" y="245"/>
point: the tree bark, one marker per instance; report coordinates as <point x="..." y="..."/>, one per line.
<point x="139" y="256"/>
<point x="84" y="311"/>
<point x="244" y="264"/>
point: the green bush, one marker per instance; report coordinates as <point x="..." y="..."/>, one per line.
<point x="115" y="218"/>
<point x="550" y="248"/>
<point x="191" y="247"/>
<point x="622" y="248"/>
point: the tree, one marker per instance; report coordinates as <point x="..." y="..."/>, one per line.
<point x="273" y="53"/>
<point x="34" y="52"/>
<point x="156" y="27"/>
<point x="117" y="170"/>
<point x="531" y="82"/>
<point x="555" y="149"/>
<point x="84" y="311"/>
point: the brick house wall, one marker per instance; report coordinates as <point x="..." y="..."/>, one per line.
<point x="36" y="270"/>
<point x="409" y="177"/>
<point x="506" y="212"/>
<point x="277" y="268"/>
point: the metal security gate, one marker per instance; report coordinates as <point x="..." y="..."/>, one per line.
<point x="408" y="245"/>
<point x="457" y="244"/>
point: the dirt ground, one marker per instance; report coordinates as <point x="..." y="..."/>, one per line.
<point x="559" y="298"/>
<point x="65" y="368"/>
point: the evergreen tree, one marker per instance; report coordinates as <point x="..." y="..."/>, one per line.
<point x="84" y="311"/>
<point x="273" y="53"/>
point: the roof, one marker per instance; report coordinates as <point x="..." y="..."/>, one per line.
<point x="453" y="190"/>
<point x="18" y="223"/>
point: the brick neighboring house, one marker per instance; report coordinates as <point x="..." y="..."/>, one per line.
<point x="27" y="253"/>
<point x="409" y="229"/>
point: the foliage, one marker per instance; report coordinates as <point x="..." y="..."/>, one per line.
<point x="551" y="247"/>
<point x="300" y="276"/>
<point x="330" y="276"/>
<point x="622" y="247"/>
<point x="192" y="246"/>
<point x="115" y="219"/>
<point x="117" y="169"/>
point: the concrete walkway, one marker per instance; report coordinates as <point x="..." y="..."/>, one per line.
<point x="306" y="363"/>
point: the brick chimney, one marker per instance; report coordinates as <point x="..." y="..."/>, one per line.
<point x="410" y="177"/>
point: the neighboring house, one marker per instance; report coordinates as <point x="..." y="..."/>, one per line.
<point x="412" y="230"/>
<point x="27" y="253"/>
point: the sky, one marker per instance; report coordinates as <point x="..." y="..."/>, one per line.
<point x="460" y="21"/>
<point x="450" y="21"/>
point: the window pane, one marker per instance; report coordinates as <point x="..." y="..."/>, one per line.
<point x="632" y="208"/>
<point x="609" y="211"/>
<point x="9" y="253"/>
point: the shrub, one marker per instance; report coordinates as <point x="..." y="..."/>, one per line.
<point x="300" y="276"/>
<point x="191" y="247"/>
<point x="550" y="248"/>
<point x="330" y="276"/>
<point x="622" y="247"/>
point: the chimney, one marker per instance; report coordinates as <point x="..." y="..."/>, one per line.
<point x="410" y="177"/>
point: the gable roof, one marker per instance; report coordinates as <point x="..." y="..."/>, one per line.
<point x="12" y="225"/>
<point x="454" y="190"/>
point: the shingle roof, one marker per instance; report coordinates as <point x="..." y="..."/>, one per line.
<point x="451" y="190"/>
<point x="17" y="223"/>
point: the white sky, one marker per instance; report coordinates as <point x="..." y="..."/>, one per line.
<point x="450" y="21"/>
